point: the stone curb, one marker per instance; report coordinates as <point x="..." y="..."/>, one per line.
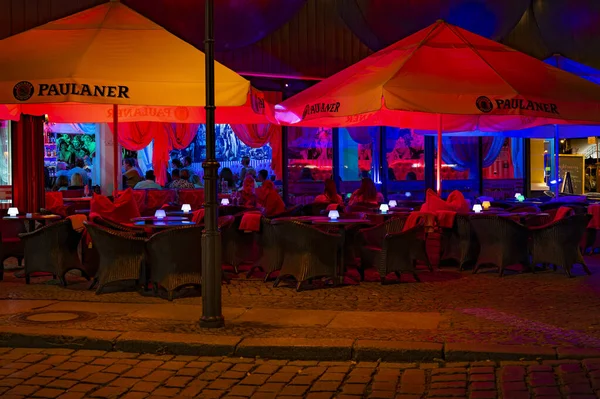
<point x="279" y="348"/>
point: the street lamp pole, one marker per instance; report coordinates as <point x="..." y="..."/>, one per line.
<point x="212" y="315"/>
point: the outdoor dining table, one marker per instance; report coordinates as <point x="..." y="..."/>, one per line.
<point x="152" y="219"/>
<point x="30" y="219"/>
<point x="162" y="224"/>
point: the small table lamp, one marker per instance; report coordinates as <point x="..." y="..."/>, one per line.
<point x="477" y="208"/>
<point x="408" y="194"/>
<point x="384" y="208"/>
<point x="13" y="212"/>
<point x="225" y="201"/>
<point x="486" y="205"/>
<point x="333" y="215"/>
<point x="393" y="204"/>
<point x="160" y="214"/>
<point x="186" y="208"/>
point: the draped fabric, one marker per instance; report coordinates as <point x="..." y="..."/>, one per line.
<point x="463" y="152"/>
<point x="237" y="23"/>
<point x="27" y="140"/>
<point x="381" y="23"/>
<point x="258" y="135"/>
<point x="516" y="153"/>
<point x="363" y="134"/>
<point x="135" y="136"/>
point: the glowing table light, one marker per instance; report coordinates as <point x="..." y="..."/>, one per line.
<point x="333" y="215"/>
<point x="384" y="208"/>
<point x="225" y="201"/>
<point x="393" y="204"/>
<point x="186" y="208"/>
<point x="517" y="195"/>
<point x="408" y="194"/>
<point x="521" y="198"/>
<point x="486" y="205"/>
<point x="13" y="212"/>
<point x="160" y="214"/>
<point x="477" y="208"/>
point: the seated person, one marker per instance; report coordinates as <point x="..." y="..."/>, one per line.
<point x="196" y="181"/>
<point x="227" y="175"/>
<point x="366" y="194"/>
<point x="263" y="175"/>
<point x="247" y="195"/>
<point x="187" y="165"/>
<point x="62" y="183"/>
<point x="79" y="169"/>
<point x="330" y="195"/>
<point x="174" y="177"/>
<point x="306" y="175"/>
<point x="76" y="182"/>
<point x="150" y="182"/>
<point x="270" y="200"/>
<point x="183" y="181"/>
<point x="131" y="177"/>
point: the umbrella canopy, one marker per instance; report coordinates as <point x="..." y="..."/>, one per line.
<point x="548" y="131"/>
<point x="471" y="82"/>
<point x="76" y="68"/>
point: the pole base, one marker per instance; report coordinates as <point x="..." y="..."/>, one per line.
<point x="212" y="322"/>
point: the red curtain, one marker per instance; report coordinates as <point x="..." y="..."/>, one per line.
<point x="27" y="138"/>
<point x="257" y="135"/>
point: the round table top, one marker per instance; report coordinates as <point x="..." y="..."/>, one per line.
<point x="77" y="199"/>
<point x="34" y="216"/>
<point x="341" y="222"/>
<point x="155" y="219"/>
<point x="163" y="224"/>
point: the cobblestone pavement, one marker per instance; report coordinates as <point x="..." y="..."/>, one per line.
<point x="544" y="308"/>
<point x="68" y="374"/>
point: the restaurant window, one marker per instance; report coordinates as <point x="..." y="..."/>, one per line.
<point x="310" y="162"/>
<point x="540" y="163"/>
<point x="5" y="148"/>
<point x="503" y="175"/>
<point x="460" y="165"/>
<point x="405" y="158"/>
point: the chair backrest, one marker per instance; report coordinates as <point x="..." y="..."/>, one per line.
<point x="165" y="248"/>
<point x="155" y="199"/>
<point x="193" y="197"/>
<point x="77" y="193"/>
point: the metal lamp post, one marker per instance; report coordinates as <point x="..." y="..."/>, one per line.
<point x="212" y="316"/>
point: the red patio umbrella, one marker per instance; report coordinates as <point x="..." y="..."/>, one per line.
<point x="447" y="79"/>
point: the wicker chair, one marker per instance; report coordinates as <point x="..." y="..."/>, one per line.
<point x="400" y="252"/>
<point x="271" y="258"/>
<point x="121" y="254"/>
<point x="370" y="240"/>
<point x="578" y="208"/>
<point x="502" y="242"/>
<point x="170" y="267"/>
<point x="53" y="249"/>
<point x="308" y="253"/>
<point x="460" y="242"/>
<point x="100" y="221"/>
<point x="238" y="247"/>
<point x="12" y="246"/>
<point x="559" y="243"/>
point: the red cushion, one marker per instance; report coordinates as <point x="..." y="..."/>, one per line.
<point x="457" y="200"/>
<point x="139" y="196"/>
<point x="155" y="199"/>
<point x="434" y="203"/>
<point x="121" y="211"/>
<point x="562" y="213"/>
<point x="193" y="197"/>
<point x="54" y="199"/>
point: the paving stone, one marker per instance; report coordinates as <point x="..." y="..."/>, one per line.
<point x="49" y="393"/>
<point x="108" y="392"/>
<point x="270" y="387"/>
<point x="483" y="386"/>
<point x="448" y="392"/>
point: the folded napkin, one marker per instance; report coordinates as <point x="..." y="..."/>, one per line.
<point x="332" y="207"/>
<point x="198" y="216"/>
<point x="77" y="221"/>
<point x="594" y="210"/>
<point x="412" y="220"/>
<point x="250" y="221"/>
<point x="563" y="212"/>
<point x="445" y="219"/>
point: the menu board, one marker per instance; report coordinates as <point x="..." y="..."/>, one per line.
<point x="575" y="165"/>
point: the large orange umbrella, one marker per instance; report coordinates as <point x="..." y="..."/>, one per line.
<point x="447" y="79"/>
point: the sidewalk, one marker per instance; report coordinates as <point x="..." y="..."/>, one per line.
<point x="266" y="333"/>
<point x="449" y="315"/>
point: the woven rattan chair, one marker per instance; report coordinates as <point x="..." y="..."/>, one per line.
<point x="11" y="246"/>
<point x="460" y="242"/>
<point x="271" y="257"/>
<point x="558" y="244"/>
<point x="370" y="241"/>
<point x="400" y="252"/>
<point x="578" y="208"/>
<point x="238" y="246"/>
<point x="170" y="267"/>
<point x="100" y="221"/>
<point x="308" y="253"/>
<point x="502" y="242"/>
<point x="53" y="249"/>
<point x="121" y="254"/>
